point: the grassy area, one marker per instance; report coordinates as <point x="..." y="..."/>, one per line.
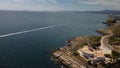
<point x="115" y="54"/>
<point x="116" y="30"/>
<point x="81" y="58"/>
<point x="95" y="38"/>
<point x="114" y="40"/>
<point x="77" y="55"/>
<point x="95" y="41"/>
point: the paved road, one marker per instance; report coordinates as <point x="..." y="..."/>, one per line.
<point x="104" y="43"/>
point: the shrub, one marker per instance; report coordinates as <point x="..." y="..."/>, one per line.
<point x="115" y="53"/>
<point x="108" y="55"/>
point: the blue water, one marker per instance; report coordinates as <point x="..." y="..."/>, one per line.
<point x="32" y="50"/>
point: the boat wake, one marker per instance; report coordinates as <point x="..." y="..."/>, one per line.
<point x="22" y="32"/>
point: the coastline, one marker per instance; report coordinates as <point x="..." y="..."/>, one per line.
<point x="64" y="56"/>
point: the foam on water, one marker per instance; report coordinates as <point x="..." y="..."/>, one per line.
<point x="22" y="32"/>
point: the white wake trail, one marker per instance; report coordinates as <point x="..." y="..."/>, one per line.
<point x="21" y="32"/>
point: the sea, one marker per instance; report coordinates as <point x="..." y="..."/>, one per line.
<point x="27" y="38"/>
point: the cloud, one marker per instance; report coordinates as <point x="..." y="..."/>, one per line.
<point x="44" y="1"/>
<point x="32" y="5"/>
<point x="59" y="4"/>
<point x="54" y="1"/>
<point x="106" y="3"/>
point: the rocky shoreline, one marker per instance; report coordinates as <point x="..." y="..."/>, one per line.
<point x="65" y="55"/>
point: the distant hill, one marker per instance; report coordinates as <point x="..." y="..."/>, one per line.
<point x="105" y="12"/>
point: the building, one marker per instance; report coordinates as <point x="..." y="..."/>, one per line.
<point x="114" y="18"/>
<point x="93" y="56"/>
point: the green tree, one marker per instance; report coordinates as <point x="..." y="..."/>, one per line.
<point x="115" y="53"/>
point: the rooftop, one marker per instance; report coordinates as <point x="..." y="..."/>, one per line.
<point x="96" y="53"/>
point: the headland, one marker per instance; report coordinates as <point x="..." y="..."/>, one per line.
<point x="92" y="51"/>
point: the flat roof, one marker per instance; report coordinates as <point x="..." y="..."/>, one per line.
<point x="96" y="53"/>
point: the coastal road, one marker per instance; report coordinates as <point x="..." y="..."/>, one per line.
<point x="106" y="45"/>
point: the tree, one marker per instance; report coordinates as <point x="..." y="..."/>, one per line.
<point x="115" y="53"/>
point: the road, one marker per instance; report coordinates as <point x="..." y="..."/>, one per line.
<point x="106" y="45"/>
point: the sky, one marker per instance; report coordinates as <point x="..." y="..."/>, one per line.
<point x="60" y="5"/>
